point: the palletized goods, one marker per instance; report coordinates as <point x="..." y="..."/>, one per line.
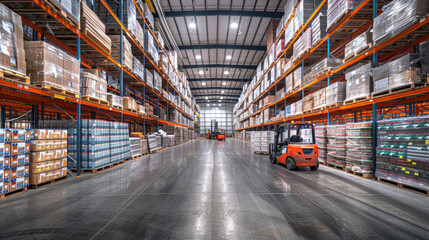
<point x="336" y="145"/>
<point x="359" y="147"/>
<point x="322" y="142"/>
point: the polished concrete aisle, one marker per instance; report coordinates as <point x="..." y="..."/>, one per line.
<point x="215" y="190"/>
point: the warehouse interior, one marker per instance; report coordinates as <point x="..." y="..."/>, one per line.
<point x="196" y="119"/>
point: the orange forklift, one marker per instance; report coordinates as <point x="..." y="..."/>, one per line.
<point x="295" y="146"/>
<point x="220" y="134"/>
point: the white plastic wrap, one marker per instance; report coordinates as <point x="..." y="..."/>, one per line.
<point x="358" y="44"/>
<point x="302" y="45"/>
<point x="336" y="93"/>
<point x="359" y="82"/>
<point x="318" y="28"/>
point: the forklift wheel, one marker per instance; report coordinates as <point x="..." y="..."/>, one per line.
<point x="273" y="158"/>
<point x="315" y="167"/>
<point x="290" y="164"/>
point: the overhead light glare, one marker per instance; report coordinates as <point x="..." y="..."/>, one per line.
<point x="201" y="72"/>
<point x="226" y="72"/>
<point x="234" y="25"/>
<point x="203" y="83"/>
<point x="222" y="91"/>
<point x="208" y="105"/>
<point x="192" y="25"/>
<point x="224" y="83"/>
<point x="228" y="57"/>
<point x="207" y="97"/>
<point x="198" y="57"/>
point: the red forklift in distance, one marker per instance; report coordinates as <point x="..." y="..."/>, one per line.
<point x="295" y="146"/>
<point x="220" y="134"/>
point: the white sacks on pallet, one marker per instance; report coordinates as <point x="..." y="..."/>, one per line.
<point x="261" y="141"/>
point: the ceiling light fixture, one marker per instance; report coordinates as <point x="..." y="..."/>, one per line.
<point x="198" y="57"/>
<point x="201" y="72"/>
<point x="234" y="25"/>
<point x="192" y="25"/>
<point x="228" y="57"/>
<point x="224" y="83"/>
<point x="204" y="83"/>
<point x="221" y="97"/>
<point x="207" y="97"/>
<point x="226" y="72"/>
<point x="222" y="92"/>
<point x="220" y="104"/>
<point x="208" y="105"/>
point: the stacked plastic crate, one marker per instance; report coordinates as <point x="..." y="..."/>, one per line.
<point x="336" y="145"/>
<point x="359" y="148"/>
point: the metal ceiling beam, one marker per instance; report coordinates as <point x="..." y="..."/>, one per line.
<point x="234" y="47"/>
<point x="252" y="67"/>
<point x="221" y="88"/>
<point x="217" y="102"/>
<point x="218" y="79"/>
<point x="262" y="14"/>
<point x="217" y="95"/>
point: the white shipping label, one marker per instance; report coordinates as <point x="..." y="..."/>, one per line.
<point x="5" y="50"/>
<point x="6" y="26"/>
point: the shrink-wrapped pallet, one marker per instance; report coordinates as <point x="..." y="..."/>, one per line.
<point x="48" y="65"/>
<point x="325" y="66"/>
<point x="318" y="28"/>
<point x="71" y="7"/>
<point x="319" y="98"/>
<point x="424" y="55"/>
<point x="359" y="147"/>
<point x="148" y="78"/>
<point x="126" y="51"/>
<point x="138" y="69"/>
<point x="129" y="104"/>
<point x="339" y="8"/>
<point x="359" y="82"/>
<point x="157" y="81"/>
<point x="336" y="146"/>
<point x="144" y="8"/>
<point x="336" y="93"/>
<point x="289" y="82"/>
<point x="302" y="45"/>
<point x="129" y="14"/>
<point x="93" y="86"/>
<point x="398" y="16"/>
<point x="321" y="141"/>
<point x="307" y="103"/>
<point x="358" y="44"/>
<point x="115" y="100"/>
<point x="297" y="78"/>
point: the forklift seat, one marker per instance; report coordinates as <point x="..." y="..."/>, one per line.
<point x="296" y="139"/>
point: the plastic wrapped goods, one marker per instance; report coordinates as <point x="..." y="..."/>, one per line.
<point x="359" y="82"/>
<point x="398" y="73"/>
<point x="49" y="65"/>
<point x="319" y="98"/>
<point x="129" y="14"/>
<point x="336" y="93"/>
<point x="288" y="9"/>
<point x="71" y="7"/>
<point x="336" y="145"/>
<point x="297" y="78"/>
<point x="289" y="82"/>
<point x="307" y="103"/>
<point x="398" y="16"/>
<point x="322" y="142"/>
<point x="424" y="55"/>
<point x="262" y="139"/>
<point x="127" y="51"/>
<point x="359" y="147"/>
<point x="115" y="100"/>
<point x="144" y="8"/>
<point x="338" y="8"/>
<point x="296" y="108"/>
<point x="302" y="45"/>
<point x="318" y="28"/>
<point x="92" y="86"/>
<point x="157" y="81"/>
<point x="358" y="44"/>
<point x="148" y="78"/>
<point x="325" y="66"/>
<point x="138" y="69"/>
<point x="304" y="11"/>
<point x="402" y="151"/>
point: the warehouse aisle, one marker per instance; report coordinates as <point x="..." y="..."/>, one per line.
<point x="215" y="190"/>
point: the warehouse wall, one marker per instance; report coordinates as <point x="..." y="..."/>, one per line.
<point x="222" y="114"/>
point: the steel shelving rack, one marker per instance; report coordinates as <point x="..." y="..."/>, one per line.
<point x="410" y="102"/>
<point x="48" y="23"/>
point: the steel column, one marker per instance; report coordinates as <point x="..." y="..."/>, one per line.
<point x="122" y="54"/>
<point x="79" y="119"/>
<point x="374" y="137"/>
<point x="3" y="117"/>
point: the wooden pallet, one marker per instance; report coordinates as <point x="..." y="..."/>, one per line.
<point x="96" y="41"/>
<point x="404" y="186"/>
<point x="359" y="99"/>
<point x="95" y="170"/>
<point x="14" y="76"/>
<point x="323" y="72"/>
<point x="332" y="105"/>
<point x="363" y="175"/>
<point x="339" y="20"/>
<point x="14" y="193"/>
<point x="48" y="182"/>
<point x="356" y="54"/>
<point x="336" y="167"/>
<point x="57" y="89"/>
<point x="116" y="107"/>
<point x="95" y="100"/>
<point x="395" y="90"/>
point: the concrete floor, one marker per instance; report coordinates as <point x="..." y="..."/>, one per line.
<point x="215" y="190"/>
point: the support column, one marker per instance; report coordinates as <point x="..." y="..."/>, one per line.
<point x="122" y="54"/>
<point x="3" y="117"/>
<point x="79" y="119"/>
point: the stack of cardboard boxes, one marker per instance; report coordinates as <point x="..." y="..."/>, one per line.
<point x="15" y="151"/>
<point x="48" y="156"/>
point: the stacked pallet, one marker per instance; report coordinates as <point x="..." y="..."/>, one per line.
<point x="127" y="52"/>
<point x="93" y="88"/>
<point x="93" y="28"/>
<point x="115" y="101"/>
<point x="130" y="104"/>
<point x="52" y="68"/>
<point x="14" y="160"/>
<point x="359" y="147"/>
<point x="135" y="146"/>
<point x="261" y="140"/>
<point x="359" y="82"/>
<point x="336" y="145"/>
<point x="48" y="156"/>
<point x="322" y="142"/>
<point x="153" y="142"/>
<point x="402" y="151"/>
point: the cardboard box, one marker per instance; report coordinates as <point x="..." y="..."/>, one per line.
<point x="45" y="166"/>
<point x="63" y="144"/>
<point x="63" y="134"/>
<point x="20" y="148"/>
<point x="42" y="156"/>
<point x="39" y="134"/>
<point x="38" y="145"/>
<point x="48" y="176"/>
<point x="4" y="162"/>
<point x="19" y="183"/>
<point x="5" y="135"/>
<point x="17" y="172"/>
<point x="19" y="160"/>
<point x="5" y="149"/>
